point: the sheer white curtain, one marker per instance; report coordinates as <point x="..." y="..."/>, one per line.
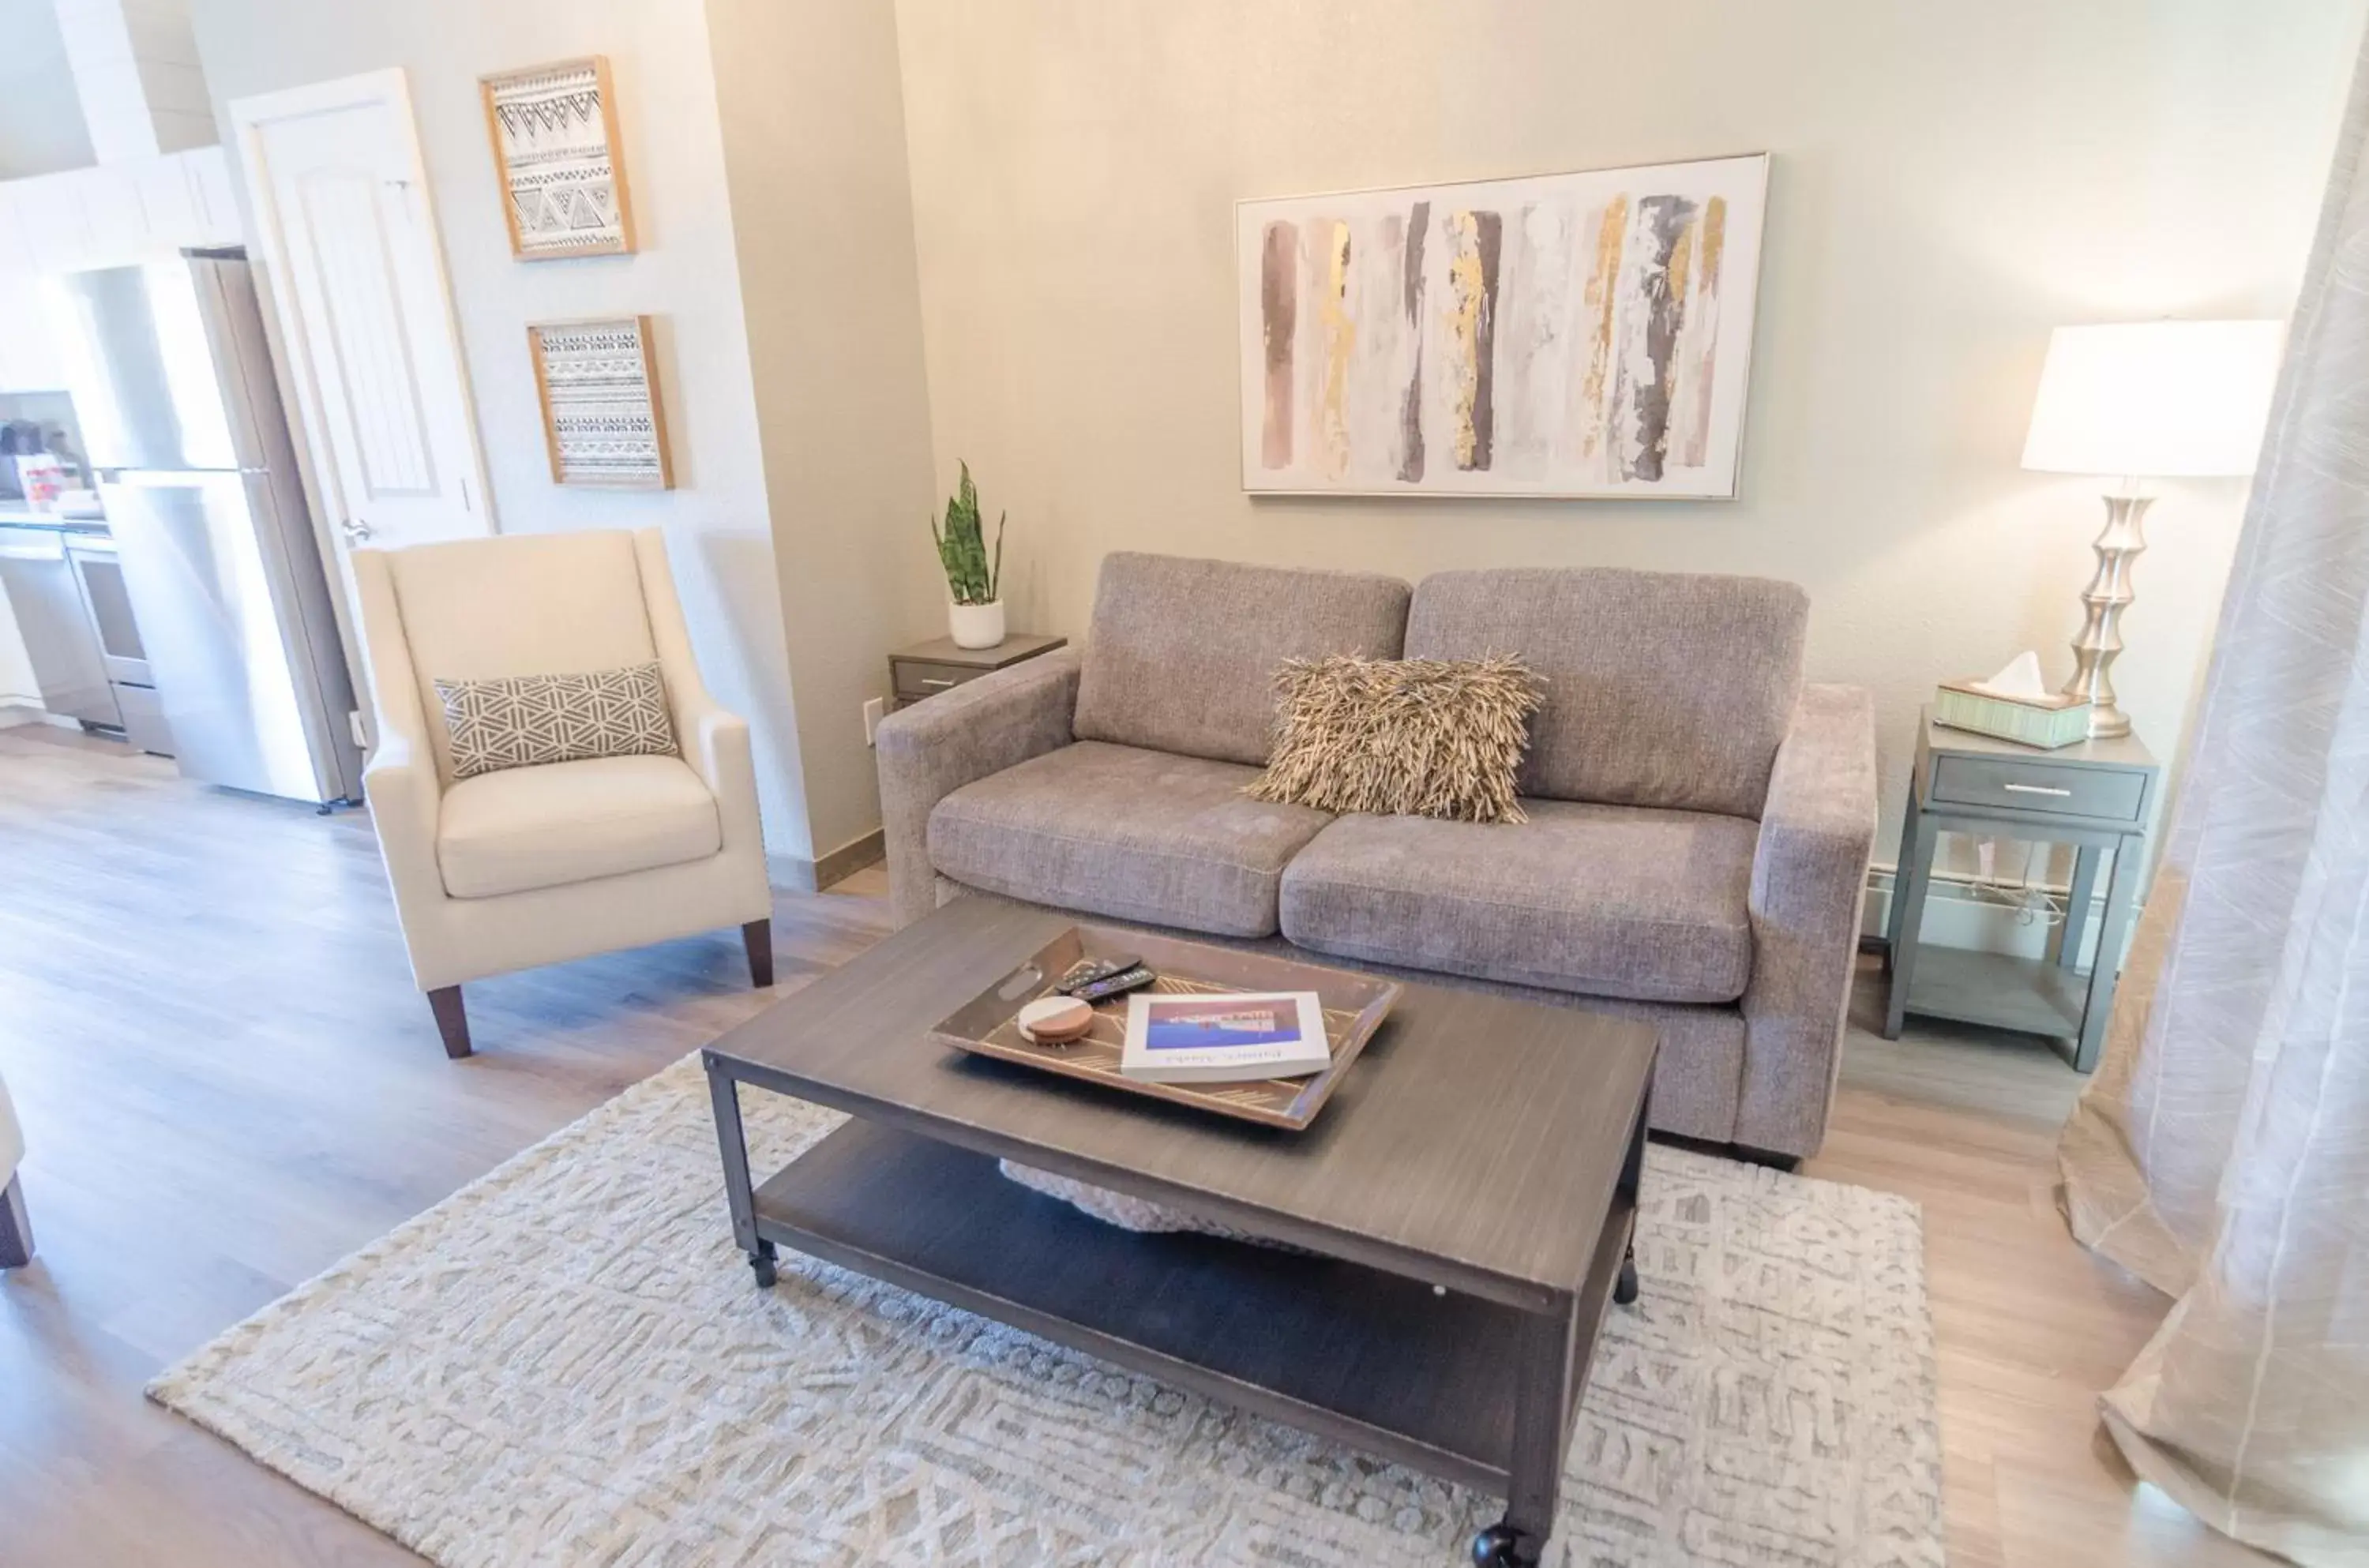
<point x="2222" y="1151"/>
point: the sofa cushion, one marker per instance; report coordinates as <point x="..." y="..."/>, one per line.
<point x="1663" y="689"/>
<point x="1182" y="654"/>
<point x="1422" y="736"/>
<point x="1126" y="832"/>
<point x="526" y="827"/>
<point x="1697" y="1081"/>
<point x="1599" y="900"/>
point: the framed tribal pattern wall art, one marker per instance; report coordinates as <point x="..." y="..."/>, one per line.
<point x="602" y="417"/>
<point x="563" y="169"/>
<point x="1564" y="335"/>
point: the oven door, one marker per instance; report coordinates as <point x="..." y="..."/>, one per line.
<point x="98" y="573"/>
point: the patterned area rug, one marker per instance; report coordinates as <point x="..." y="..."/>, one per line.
<point x="566" y="1363"/>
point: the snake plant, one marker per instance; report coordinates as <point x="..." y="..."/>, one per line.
<point x="971" y="575"/>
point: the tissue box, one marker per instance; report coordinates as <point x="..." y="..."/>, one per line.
<point x="2047" y="722"/>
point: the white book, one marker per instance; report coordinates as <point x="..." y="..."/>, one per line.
<point x="1224" y="1038"/>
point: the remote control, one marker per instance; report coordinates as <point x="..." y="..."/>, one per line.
<point x="1125" y="980"/>
<point x="1093" y="971"/>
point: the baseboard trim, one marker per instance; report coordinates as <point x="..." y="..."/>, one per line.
<point x="813" y="876"/>
<point x="851" y="857"/>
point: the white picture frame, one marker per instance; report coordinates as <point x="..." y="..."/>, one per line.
<point x="1571" y="336"/>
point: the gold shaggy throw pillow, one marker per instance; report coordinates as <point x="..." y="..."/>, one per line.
<point x="1408" y="736"/>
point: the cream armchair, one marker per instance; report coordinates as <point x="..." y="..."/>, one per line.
<point x="536" y="865"/>
<point x="16" y="1229"/>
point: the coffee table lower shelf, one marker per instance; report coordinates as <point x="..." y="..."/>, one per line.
<point x="1377" y="1360"/>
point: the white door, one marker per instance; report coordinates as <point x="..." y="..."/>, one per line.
<point x="349" y="250"/>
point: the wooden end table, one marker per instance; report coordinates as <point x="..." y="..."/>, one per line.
<point x="2095" y="795"/>
<point x="927" y="668"/>
<point x="1466" y="1201"/>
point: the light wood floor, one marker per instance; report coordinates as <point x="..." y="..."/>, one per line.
<point x="228" y="1082"/>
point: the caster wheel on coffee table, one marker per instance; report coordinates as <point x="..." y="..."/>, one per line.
<point x="761" y="1263"/>
<point x="1503" y="1546"/>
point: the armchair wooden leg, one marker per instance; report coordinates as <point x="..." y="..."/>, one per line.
<point x="15" y="1226"/>
<point x="451" y="1020"/>
<point x="756" y="937"/>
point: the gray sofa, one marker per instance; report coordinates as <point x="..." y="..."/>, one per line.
<point x="1699" y="820"/>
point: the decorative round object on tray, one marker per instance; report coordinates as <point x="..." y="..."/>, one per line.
<point x="1055" y="1020"/>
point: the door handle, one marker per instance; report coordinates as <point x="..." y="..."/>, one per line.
<point x="355" y="530"/>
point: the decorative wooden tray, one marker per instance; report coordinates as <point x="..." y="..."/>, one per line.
<point x="1355" y="1005"/>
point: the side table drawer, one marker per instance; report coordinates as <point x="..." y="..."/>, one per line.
<point x="917" y="678"/>
<point x="2036" y="786"/>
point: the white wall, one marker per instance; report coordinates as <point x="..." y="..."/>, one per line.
<point x="137" y="76"/>
<point x="814" y="145"/>
<point x="685" y="274"/>
<point x="41" y="117"/>
<point x="1949" y="182"/>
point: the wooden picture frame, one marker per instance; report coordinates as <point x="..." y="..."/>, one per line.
<point x="560" y="159"/>
<point x="603" y="421"/>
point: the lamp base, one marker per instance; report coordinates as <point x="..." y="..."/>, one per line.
<point x="2107" y="595"/>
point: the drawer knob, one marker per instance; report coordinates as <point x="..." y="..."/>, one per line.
<point x="2037" y="789"/>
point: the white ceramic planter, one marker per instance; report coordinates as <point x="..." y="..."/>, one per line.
<point x="975" y="625"/>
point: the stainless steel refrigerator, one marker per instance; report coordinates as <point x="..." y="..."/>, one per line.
<point x="173" y="386"/>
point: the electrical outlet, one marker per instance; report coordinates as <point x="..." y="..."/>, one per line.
<point x="874" y="711"/>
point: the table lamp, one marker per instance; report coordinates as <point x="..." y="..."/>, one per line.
<point x="2145" y="400"/>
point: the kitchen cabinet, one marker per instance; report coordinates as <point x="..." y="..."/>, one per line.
<point x="118" y="215"/>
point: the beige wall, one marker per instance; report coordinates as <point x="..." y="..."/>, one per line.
<point x="814" y="146"/>
<point x="1949" y="182"/>
<point x="740" y="542"/>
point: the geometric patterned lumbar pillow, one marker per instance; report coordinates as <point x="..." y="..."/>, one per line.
<point x="522" y="721"/>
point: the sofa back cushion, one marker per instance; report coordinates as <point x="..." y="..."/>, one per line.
<point x="518" y="604"/>
<point x="1182" y="654"/>
<point x="1663" y="689"/>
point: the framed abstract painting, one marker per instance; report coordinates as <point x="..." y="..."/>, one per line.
<point x="1567" y="335"/>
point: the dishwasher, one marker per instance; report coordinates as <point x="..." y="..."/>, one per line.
<point x="46" y="596"/>
<point x="66" y="587"/>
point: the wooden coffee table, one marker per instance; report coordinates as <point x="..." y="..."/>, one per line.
<point x="1466" y="1202"/>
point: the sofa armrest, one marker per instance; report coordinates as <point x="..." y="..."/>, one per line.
<point x="1809" y="879"/>
<point x="931" y="750"/>
<point x="714" y="739"/>
<point x="405" y="800"/>
<point x="404" y="791"/>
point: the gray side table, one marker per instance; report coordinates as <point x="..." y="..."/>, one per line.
<point x="2095" y="795"/>
<point x="927" y="668"/>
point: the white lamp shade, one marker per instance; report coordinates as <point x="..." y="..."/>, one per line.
<point x="2159" y="400"/>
